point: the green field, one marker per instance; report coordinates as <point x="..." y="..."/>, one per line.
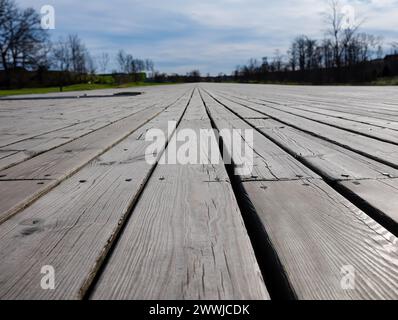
<point x="75" y="87"/>
<point x="392" y="81"/>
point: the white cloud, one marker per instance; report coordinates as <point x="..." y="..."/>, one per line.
<point x="215" y="35"/>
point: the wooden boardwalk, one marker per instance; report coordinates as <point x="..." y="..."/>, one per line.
<point x="317" y="218"/>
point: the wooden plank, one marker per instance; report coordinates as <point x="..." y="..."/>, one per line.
<point x="60" y="163"/>
<point x="287" y="136"/>
<point x="72" y="227"/>
<point x="332" y="161"/>
<point x="377" y="150"/>
<point x="14" y="158"/>
<point x="317" y="233"/>
<point x="338" y="164"/>
<point x="336" y="100"/>
<point x="35" y="145"/>
<point x="348" y="116"/>
<point x="244" y="112"/>
<point x="270" y="162"/>
<point x="185" y="239"/>
<point x="13" y="191"/>
<point x="7" y="153"/>
<point x="381" y="195"/>
<point x="384" y="134"/>
<point x="23" y="120"/>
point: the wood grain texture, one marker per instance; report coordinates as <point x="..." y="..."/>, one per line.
<point x="336" y="109"/>
<point x="33" y="146"/>
<point x="72" y="227"/>
<point x="316" y="233"/>
<point x="375" y="103"/>
<point x="25" y="119"/>
<point x="332" y="161"/>
<point x="378" y="150"/>
<point x="186" y="238"/>
<point x="338" y="164"/>
<point x="270" y="162"/>
<point x="60" y="163"/>
<point x="116" y="227"/>
<point x="380" y="194"/>
<point x="382" y="133"/>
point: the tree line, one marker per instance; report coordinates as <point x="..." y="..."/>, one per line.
<point x="26" y="47"/>
<point x="28" y="56"/>
<point x="335" y="58"/>
<point x="23" y="43"/>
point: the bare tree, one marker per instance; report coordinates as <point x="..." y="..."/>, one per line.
<point x="194" y="76"/>
<point x="341" y="35"/>
<point x="61" y="61"/>
<point x="327" y="53"/>
<point x="264" y="65"/>
<point x="300" y="48"/>
<point x="344" y="46"/>
<point x="103" y="62"/>
<point x="121" y="60"/>
<point x="90" y="64"/>
<point x="277" y="63"/>
<point x="293" y="56"/>
<point x="71" y="58"/>
<point x="335" y="20"/>
<point x="22" y="40"/>
<point x="139" y="65"/>
<point x="61" y="56"/>
<point x="368" y="46"/>
<point x="126" y="62"/>
<point x="150" y="66"/>
<point x="311" y="53"/>
<point x="129" y="65"/>
<point x="253" y="66"/>
<point x="78" y="54"/>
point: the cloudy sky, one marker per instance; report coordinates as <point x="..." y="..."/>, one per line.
<point x="211" y="35"/>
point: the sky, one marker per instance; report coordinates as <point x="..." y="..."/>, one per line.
<point x="210" y="35"/>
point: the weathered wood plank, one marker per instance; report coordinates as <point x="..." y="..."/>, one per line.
<point x="332" y="161"/>
<point x="37" y="144"/>
<point x="26" y="119"/>
<point x="13" y="191"/>
<point x="351" y="101"/>
<point x="317" y="234"/>
<point x="382" y="133"/>
<point x="185" y="239"/>
<point x="348" y="116"/>
<point x="338" y="164"/>
<point x="72" y="227"/>
<point x="270" y="162"/>
<point x="7" y="153"/>
<point x="381" y="195"/>
<point x="375" y="149"/>
<point x="60" y="163"/>
<point x="335" y="162"/>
